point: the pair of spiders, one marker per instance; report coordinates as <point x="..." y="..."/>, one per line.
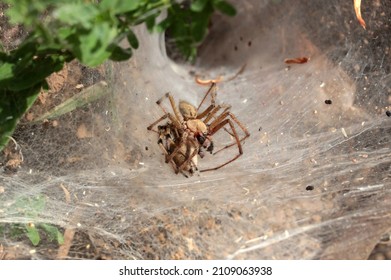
<point x="188" y="133"/>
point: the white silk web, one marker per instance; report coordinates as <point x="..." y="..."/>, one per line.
<point x="313" y="182"/>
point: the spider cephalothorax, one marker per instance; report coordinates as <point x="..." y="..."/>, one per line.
<point x="188" y="132"/>
<point x="195" y="127"/>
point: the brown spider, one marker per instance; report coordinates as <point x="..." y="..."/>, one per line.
<point x="192" y="132"/>
<point x="184" y="158"/>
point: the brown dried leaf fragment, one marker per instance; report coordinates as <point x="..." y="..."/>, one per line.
<point x="297" y="60"/>
<point x="13" y="156"/>
<point x="208" y="82"/>
<point x="357" y="9"/>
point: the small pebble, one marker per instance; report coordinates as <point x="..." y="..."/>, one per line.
<point x="309" y="188"/>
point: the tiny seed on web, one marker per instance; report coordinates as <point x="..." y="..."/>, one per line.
<point x="309" y="188"/>
<point x="344" y="132"/>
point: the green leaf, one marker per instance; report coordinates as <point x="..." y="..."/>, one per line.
<point x="199" y="29"/>
<point x="5" y="71"/>
<point x="150" y="22"/>
<point x="224" y="7"/>
<point x="20" y="12"/>
<point x="30" y="206"/>
<point x="92" y="48"/>
<point x="33" y="234"/>
<point x="120" y="54"/>
<point x="132" y="39"/>
<point x="119" y="6"/>
<point x="53" y="233"/>
<point x="37" y="204"/>
<point x="27" y="76"/>
<point x="163" y="25"/>
<point x="198" y="5"/>
<point x="20" y="84"/>
<point x="12" y="106"/>
<point x="124" y="6"/>
<point x="72" y="14"/>
<point x="65" y="32"/>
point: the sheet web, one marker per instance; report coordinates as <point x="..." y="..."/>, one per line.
<point x="314" y="179"/>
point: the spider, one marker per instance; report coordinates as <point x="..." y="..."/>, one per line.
<point x="185" y="154"/>
<point x="191" y="131"/>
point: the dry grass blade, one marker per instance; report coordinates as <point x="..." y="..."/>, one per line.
<point x="86" y="96"/>
<point x="2" y="253"/>
<point x="67" y="194"/>
<point x="63" y="251"/>
<point x="357" y="9"/>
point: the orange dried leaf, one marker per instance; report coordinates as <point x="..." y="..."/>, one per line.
<point x="297" y="60"/>
<point x="208" y="82"/>
<point x="357" y="9"/>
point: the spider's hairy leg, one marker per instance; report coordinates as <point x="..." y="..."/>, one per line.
<point x="242" y="127"/>
<point x="173" y="106"/>
<point x="165" y="116"/>
<point x="165" y="136"/>
<point x="218" y="119"/>
<point x="178" y="146"/>
<point x="191" y="152"/>
<point x="237" y="142"/>
<point x="212" y="89"/>
<point x="214" y="112"/>
<point x="150" y="127"/>
<point x="172" y="154"/>
<point x="206" y="112"/>
<point x="165" y="152"/>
